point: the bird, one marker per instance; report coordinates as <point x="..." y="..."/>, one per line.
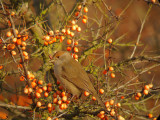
<point x="72" y="76"/>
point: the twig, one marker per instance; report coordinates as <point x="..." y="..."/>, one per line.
<point x="15" y="106"/>
<point x="139" y="35"/>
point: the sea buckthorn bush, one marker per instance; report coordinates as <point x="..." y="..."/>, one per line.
<point x="115" y="41"/>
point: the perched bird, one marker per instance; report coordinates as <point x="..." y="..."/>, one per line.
<point x="72" y="76"/>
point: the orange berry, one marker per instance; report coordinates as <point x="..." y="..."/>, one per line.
<point x="102" y="112"/>
<point x="104" y="72"/>
<point x="60" y="87"/>
<point x="12" y="13"/>
<point x="33" y="84"/>
<point x="49" y="105"/>
<point x="25" y="53"/>
<point x="86" y="93"/>
<point x="68" y="101"/>
<point x="39" y="104"/>
<point x="122" y="97"/>
<point x="45" y="43"/>
<point x="136" y="97"/>
<point x="14" y="40"/>
<point x="54" y="39"/>
<point x="118" y="104"/>
<point x="73" y="27"/>
<point x="111" y="68"/>
<point x="12" y="46"/>
<point x="30" y="90"/>
<point x="8" y="34"/>
<point x="68" y="32"/>
<point x="47" y="38"/>
<point x="107" y="104"/>
<point x="49" y="89"/>
<point x="63" y="31"/>
<point x="76" y="43"/>
<point x="85" y="17"/>
<point x="101" y="91"/>
<point x="63" y="94"/>
<point x="150" y="115"/>
<point x="69" y="48"/>
<point x="46" y="94"/>
<point x="61" y="38"/>
<point x="77" y="13"/>
<point x="113" y="75"/>
<point x="26" y="90"/>
<point x="9" y="23"/>
<point x="73" y="22"/>
<point x="75" y="49"/>
<point x="9" y="47"/>
<point x="53" y="108"/>
<point x="75" y="56"/>
<point x="23" y="48"/>
<point x="85" y="9"/>
<point x="13" y="53"/>
<point x="16" y="31"/>
<point x="39" y="90"/>
<point x="112" y="113"/>
<point x="50" y="109"/>
<point x="139" y="94"/>
<point x="150" y="85"/>
<point x="49" y="118"/>
<point x="153" y="1"/>
<point x="51" y="32"/>
<point x="57" y="31"/>
<point x="1" y="67"/>
<point x="69" y="41"/>
<point x="25" y="38"/>
<point x="59" y="102"/>
<point x="78" y="29"/>
<point x="58" y="92"/>
<point x="145" y="92"/>
<point x="64" y="106"/>
<point x="55" y="100"/>
<point x="79" y="7"/>
<point x="22" y="78"/>
<point x="120" y="117"/>
<point x="50" y="42"/>
<point x="93" y="98"/>
<point x="71" y="34"/>
<point x="154" y="118"/>
<point x="101" y="116"/>
<point x="146" y="87"/>
<point x="26" y="57"/>
<point x="84" y="20"/>
<point x="58" y="82"/>
<point x="19" y="42"/>
<point x="111" y="102"/>
<point x="38" y="95"/>
<point x="54" y="95"/>
<point x="19" y="66"/>
<point x="64" y="98"/>
<point x="24" y="44"/>
<point x="40" y="82"/>
<point x="109" y="40"/>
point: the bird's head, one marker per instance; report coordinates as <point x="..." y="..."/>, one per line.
<point x="60" y="56"/>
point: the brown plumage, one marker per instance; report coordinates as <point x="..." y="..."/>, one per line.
<point x="72" y="76"/>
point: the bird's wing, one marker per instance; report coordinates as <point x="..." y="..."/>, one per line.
<point x="75" y="74"/>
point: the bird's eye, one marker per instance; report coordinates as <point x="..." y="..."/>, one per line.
<point x="58" y="56"/>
